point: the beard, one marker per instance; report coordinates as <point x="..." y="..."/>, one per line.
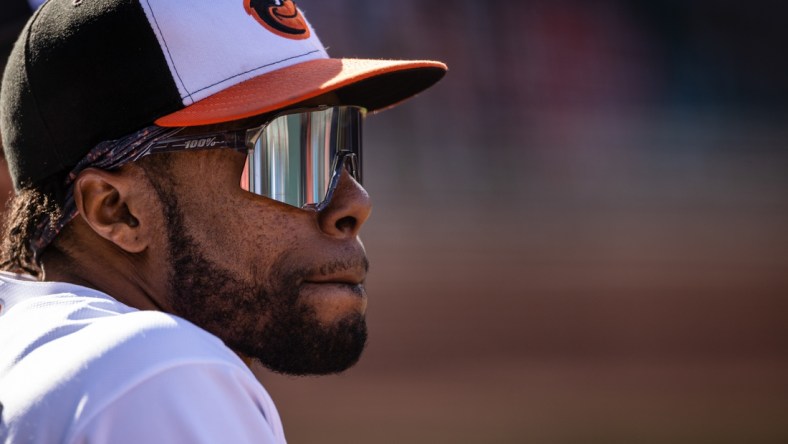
<point x="265" y="319"/>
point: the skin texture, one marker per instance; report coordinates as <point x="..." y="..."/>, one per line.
<point x="276" y="283"/>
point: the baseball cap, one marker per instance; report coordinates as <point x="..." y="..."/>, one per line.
<point x="86" y="71"/>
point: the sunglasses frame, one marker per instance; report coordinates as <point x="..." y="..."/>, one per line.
<point x="244" y="140"/>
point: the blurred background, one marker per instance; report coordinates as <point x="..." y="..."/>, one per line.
<point x="579" y="236"/>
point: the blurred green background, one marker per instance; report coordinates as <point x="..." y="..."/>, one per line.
<point x="579" y="236"/>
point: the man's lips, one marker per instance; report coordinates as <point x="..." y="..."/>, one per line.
<point x="338" y="287"/>
<point x="346" y="277"/>
<point x="347" y="271"/>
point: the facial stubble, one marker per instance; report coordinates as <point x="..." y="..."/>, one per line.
<point x="266" y="319"/>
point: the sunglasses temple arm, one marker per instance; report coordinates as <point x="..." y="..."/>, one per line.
<point x="233" y="140"/>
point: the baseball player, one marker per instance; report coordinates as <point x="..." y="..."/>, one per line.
<point x="188" y="195"/>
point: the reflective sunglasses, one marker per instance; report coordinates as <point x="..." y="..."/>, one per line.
<point x="296" y="157"/>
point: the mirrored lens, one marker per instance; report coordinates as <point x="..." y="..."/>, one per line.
<point x="297" y="158"/>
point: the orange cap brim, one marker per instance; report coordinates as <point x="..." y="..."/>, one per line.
<point x="373" y="84"/>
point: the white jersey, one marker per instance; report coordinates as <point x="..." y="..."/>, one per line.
<point x="77" y="366"/>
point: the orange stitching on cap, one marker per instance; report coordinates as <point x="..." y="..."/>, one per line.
<point x="281" y="17"/>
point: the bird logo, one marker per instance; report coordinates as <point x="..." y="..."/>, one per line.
<point x="281" y="17"/>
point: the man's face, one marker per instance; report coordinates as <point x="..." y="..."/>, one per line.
<point x="274" y="282"/>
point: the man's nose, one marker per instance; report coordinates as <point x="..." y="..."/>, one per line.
<point x="347" y="210"/>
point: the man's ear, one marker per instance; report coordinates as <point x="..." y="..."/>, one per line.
<point x="111" y="205"/>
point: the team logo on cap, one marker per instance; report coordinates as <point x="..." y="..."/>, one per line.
<point x="279" y="16"/>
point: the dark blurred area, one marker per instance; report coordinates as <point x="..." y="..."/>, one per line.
<point x="13" y="16"/>
<point x="579" y="236"/>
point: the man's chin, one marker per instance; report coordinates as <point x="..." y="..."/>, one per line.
<point x="312" y="348"/>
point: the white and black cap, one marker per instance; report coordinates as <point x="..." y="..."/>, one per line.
<point x="85" y="71"/>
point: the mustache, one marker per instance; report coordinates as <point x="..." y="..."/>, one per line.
<point x="340" y="266"/>
<point x="292" y="271"/>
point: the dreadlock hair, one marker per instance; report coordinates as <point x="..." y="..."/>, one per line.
<point x="25" y="212"/>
